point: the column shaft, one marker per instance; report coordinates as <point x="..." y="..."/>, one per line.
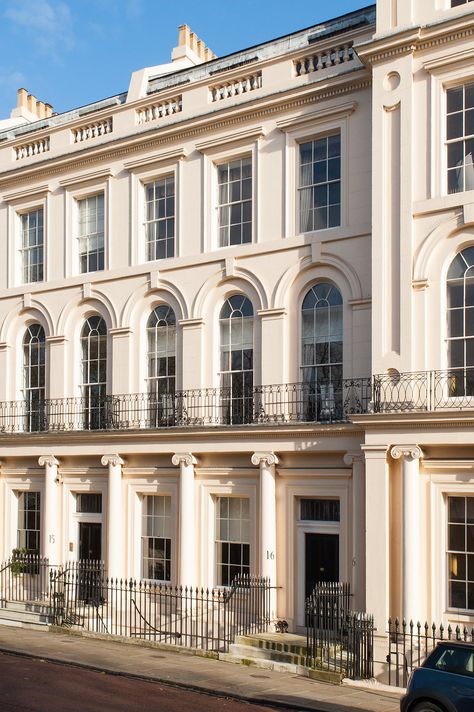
<point x="187" y="533"/>
<point x="49" y="530"/>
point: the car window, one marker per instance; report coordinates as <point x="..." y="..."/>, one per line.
<point x="457" y="660"/>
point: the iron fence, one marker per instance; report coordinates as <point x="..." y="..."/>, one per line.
<point x="203" y="618"/>
<point x="410" y="643"/>
<point x="25" y="578"/>
<point x="338" y="639"/>
<point x="324" y="401"/>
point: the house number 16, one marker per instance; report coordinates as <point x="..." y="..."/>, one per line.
<point x="270" y="555"/>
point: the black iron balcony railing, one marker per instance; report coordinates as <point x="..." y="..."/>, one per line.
<point x="295" y="402"/>
<point x="452" y="389"/>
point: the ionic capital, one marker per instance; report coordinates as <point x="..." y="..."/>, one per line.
<point x="185" y="458"/>
<point x="264" y="457"/>
<point x="409" y="452"/>
<point x="350" y="458"/>
<point x="112" y="461"/>
<point x="48" y="461"/>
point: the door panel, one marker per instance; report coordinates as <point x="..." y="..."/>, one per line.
<point x="321" y="559"/>
<point x="90" y="541"/>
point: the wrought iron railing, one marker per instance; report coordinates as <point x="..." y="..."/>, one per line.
<point x="410" y="643"/>
<point x="25" y="577"/>
<point x="424" y="390"/>
<point x="323" y="402"/>
<point x="338" y="639"/>
<point x="203" y="618"/>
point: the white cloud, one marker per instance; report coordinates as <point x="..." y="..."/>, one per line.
<point x="48" y="23"/>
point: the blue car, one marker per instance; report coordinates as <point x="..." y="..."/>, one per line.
<point x="445" y="681"/>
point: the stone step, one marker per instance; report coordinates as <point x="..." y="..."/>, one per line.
<point x="277" y="656"/>
<point x="39" y="607"/>
<point x="25" y="614"/>
<point x="260" y="663"/>
<point x="279" y="642"/>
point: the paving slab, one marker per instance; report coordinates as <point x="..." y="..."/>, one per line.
<point x="287" y="691"/>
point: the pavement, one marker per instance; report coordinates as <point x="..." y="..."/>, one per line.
<point x="193" y="672"/>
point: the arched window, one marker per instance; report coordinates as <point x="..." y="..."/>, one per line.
<point x="460" y="285"/>
<point x="236" y="359"/>
<point x="321" y="352"/>
<point x="161" y="334"/>
<point x="94" y="372"/>
<point x="34" y="347"/>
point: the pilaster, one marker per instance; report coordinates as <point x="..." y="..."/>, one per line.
<point x="268" y="554"/>
<point x="115" y="532"/>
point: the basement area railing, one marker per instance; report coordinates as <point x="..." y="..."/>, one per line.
<point x="338" y="639"/>
<point x="410" y="643"/>
<point x="322" y="402"/>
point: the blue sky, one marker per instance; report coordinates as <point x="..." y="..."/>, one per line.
<point x="72" y="52"/>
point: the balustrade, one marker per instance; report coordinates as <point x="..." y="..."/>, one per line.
<point x="92" y="130"/>
<point x="160" y="109"/>
<point x="323" y="59"/>
<point x="236" y="87"/>
<point x="34" y="148"/>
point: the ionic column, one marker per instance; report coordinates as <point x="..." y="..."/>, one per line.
<point x="49" y="531"/>
<point x="187" y="533"/>
<point x="114" y="515"/>
<point x="410" y="458"/>
<point x="268" y="568"/>
<point x="356" y="460"/>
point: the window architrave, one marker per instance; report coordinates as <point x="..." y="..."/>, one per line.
<point x="18" y="205"/>
<point x="141" y="174"/>
<point x="299" y="131"/>
<point x="76" y="190"/>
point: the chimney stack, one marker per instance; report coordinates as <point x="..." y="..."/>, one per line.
<point x="29" y="108"/>
<point x="191" y="47"/>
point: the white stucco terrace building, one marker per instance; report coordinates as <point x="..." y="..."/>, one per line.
<point x="237" y="317"/>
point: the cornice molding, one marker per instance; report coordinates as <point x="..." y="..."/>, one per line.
<point x="86" y="178"/>
<point x="150" y="161"/>
<point x="418" y="39"/>
<point x="187" y="129"/>
<point x="334" y="112"/>
<point x="248" y="135"/>
<point x="37" y="191"/>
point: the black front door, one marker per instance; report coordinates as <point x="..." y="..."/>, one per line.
<point x="321" y="559"/>
<point x="90" y="541"/>
<point x="89" y="578"/>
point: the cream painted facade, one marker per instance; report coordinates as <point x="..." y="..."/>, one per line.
<point x="320" y="482"/>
